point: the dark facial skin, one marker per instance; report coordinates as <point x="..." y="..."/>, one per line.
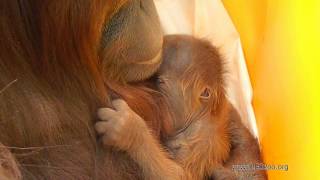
<point x="132" y="42"/>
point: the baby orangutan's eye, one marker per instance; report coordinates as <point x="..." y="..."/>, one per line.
<point x="205" y="94"/>
<point x="160" y="80"/>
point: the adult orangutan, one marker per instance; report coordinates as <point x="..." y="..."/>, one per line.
<point x="60" y="60"/>
<point x="205" y="139"/>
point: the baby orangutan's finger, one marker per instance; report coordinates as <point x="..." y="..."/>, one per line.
<point x="102" y="127"/>
<point x="106" y="114"/>
<point x="120" y="105"/>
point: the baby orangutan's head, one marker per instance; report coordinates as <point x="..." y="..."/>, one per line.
<point x="191" y="80"/>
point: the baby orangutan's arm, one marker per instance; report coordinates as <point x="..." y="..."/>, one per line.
<point x="244" y="151"/>
<point x="121" y="127"/>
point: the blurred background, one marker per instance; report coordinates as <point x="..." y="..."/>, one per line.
<point x="280" y="41"/>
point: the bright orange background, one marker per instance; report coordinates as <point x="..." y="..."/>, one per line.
<point x="281" y="44"/>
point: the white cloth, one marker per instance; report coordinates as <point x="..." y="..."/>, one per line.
<point x="208" y="19"/>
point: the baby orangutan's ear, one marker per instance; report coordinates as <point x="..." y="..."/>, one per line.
<point x="206" y="94"/>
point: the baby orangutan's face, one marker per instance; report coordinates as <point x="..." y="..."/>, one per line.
<point x="186" y="101"/>
<point x="190" y="80"/>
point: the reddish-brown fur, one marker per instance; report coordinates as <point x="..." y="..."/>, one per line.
<point x="205" y="136"/>
<point x="54" y="75"/>
<point x="8" y="166"/>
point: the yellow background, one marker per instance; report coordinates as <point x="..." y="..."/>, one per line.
<point x="281" y="44"/>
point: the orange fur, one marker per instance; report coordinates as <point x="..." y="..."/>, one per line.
<point x="52" y="51"/>
<point x="204" y="136"/>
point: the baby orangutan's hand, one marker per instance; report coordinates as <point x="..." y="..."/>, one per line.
<point x="120" y="127"/>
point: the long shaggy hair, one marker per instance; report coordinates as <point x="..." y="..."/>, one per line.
<point x="51" y="84"/>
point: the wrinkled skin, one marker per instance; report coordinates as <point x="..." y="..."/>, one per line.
<point x="132" y="42"/>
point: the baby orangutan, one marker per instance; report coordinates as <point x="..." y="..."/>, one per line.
<point x="205" y="137"/>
